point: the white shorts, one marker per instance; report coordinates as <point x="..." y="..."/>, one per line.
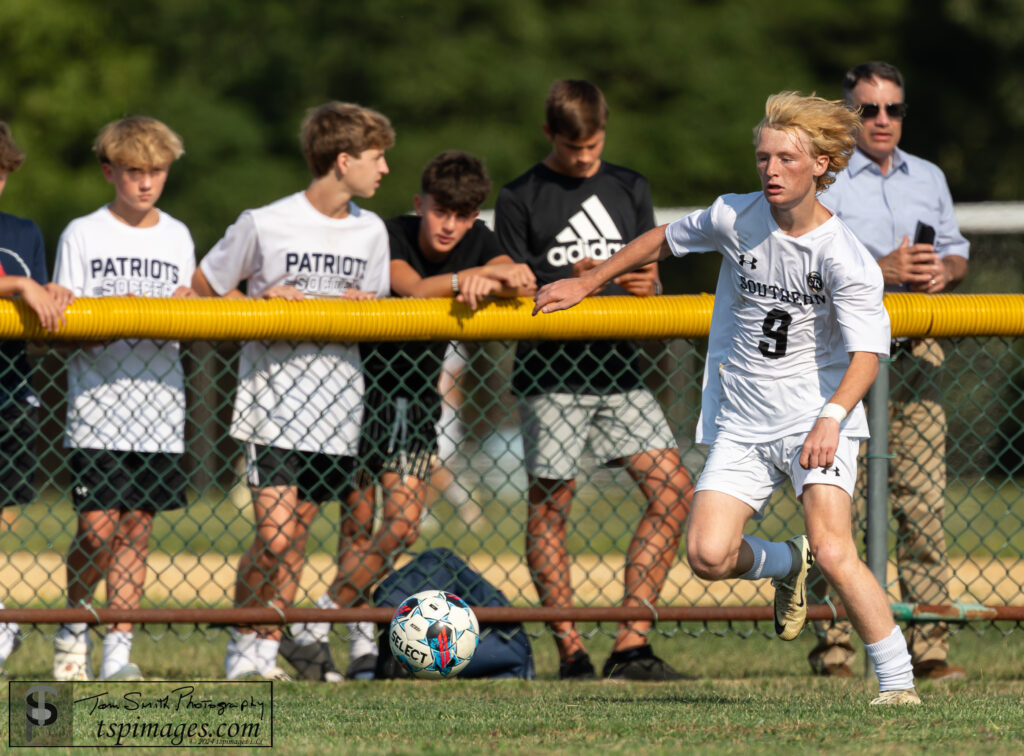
<point x="557" y="427"/>
<point x="753" y="472"/>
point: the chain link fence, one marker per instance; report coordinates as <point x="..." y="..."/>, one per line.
<point x="476" y="502"/>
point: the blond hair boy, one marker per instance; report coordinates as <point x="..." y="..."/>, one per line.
<point x="126" y="398"/>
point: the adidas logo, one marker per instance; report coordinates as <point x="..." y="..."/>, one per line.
<point x="591" y="233"/>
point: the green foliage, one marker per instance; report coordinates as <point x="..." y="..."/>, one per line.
<point x="685" y="80"/>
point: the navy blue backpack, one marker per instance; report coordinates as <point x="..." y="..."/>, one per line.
<point x="504" y="650"/>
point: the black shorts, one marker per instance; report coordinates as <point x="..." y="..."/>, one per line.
<point x="399" y="435"/>
<point x="19" y="425"/>
<point x="319" y="477"/>
<point x="126" y="480"/>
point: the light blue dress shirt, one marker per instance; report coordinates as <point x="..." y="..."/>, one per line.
<point x="882" y="209"/>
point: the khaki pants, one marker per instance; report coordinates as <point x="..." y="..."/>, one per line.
<point x="917" y="485"/>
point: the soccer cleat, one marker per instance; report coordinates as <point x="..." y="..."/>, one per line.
<point x="576" y="667"/>
<point x="906" y="697"/>
<point x="938" y="671"/>
<point x="362" y="668"/>
<point x="71" y="660"/>
<point x="311" y="661"/>
<point x="791" y="592"/>
<point x="640" y="664"/>
<point x="128" y="673"/>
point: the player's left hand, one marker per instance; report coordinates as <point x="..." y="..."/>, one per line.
<point x="474" y="287"/>
<point x="61" y="295"/>
<point x="820" y="445"/>
<point x="184" y="292"/>
<point x="642" y="282"/>
<point x="358" y="295"/>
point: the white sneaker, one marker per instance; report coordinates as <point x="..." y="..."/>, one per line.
<point x="128" y="673"/>
<point x="71" y="660"/>
<point x="248" y="669"/>
<point x="14" y="647"/>
<point x="906" y="697"/>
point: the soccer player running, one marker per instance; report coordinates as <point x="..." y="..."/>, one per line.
<point x="796" y="331"/>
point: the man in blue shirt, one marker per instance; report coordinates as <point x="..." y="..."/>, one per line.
<point x="882" y="195"/>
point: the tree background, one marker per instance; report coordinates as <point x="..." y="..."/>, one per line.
<point x="686" y="81"/>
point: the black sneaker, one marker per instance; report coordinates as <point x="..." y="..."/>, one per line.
<point x="311" y="662"/>
<point x="576" y="667"/>
<point x="362" y="668"/>
<point x="389" y="668"/>
<point x="638" y="663"/>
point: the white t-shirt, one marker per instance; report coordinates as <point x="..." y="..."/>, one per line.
<point x="788" y="310"/>
<point x="300" y="395"/>
<point x="128" y="395"/>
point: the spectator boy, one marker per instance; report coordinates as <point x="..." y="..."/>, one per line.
<point x="22" y="274"/>
<point x="795" y="336"/>
<point x="562" y="217"/>
<point x="441" y="251"/>
<point x="126" y="398"/>
<point x="299" y="405"/>
<point x="882" y="195"/>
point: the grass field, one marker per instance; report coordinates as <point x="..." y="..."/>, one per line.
<point x="748" y="695"/>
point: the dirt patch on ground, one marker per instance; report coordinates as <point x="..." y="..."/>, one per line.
<point x="208" y="580"/>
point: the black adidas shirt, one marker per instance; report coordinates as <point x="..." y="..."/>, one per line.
<point x="551" y="221"/>
<point x="412" y="368"/>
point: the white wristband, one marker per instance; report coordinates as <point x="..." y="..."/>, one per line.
<point x="455" y="283"/>
<point x="834" y="411"/>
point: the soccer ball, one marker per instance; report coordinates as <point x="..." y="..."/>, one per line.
<point x="434" y="634"/>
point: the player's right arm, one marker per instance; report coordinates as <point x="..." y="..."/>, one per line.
<point x="644" y="250"/>
<point x="230" y="261"/>
<point x="201" y="286"/>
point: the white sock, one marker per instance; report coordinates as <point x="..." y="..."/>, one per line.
<point x="74" y="631"/>
<point x="241" y="654"/>
<point x="771" y="559"/>
<point x="117" y="647"/>
<point x="306" y="633"/>
<point x="8" y="636"/>
<point x="362" y="639"/>
<point x="266" y="652"/>
<point x="892" y="662"/>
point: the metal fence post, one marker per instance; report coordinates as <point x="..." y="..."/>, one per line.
<point x="877" y="529"/>
<point x="876" y="534"/>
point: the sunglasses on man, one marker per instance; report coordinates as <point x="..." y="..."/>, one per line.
<point x="869" y="110"/>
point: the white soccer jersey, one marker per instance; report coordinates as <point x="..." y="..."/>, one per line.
<point x="300" y="395"/>
<point x="127" y="395"/>
<point x="788" y="310"/>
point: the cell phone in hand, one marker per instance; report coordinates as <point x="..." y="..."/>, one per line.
<point x="924" y="234"/>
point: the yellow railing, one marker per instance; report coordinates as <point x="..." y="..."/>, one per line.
<point x="687" y="316"/>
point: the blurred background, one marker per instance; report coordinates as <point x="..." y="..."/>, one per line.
<point x="686" y="81"/>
